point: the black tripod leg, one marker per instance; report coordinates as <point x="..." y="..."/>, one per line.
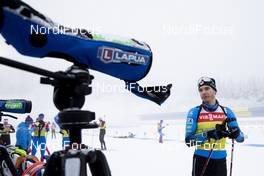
<point x="99" y="165"/>
<point x="53" y="165"/>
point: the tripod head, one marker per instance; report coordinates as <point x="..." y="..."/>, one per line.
<point x="70" y="89"/>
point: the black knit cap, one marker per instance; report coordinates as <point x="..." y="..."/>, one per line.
<point x="207" y="81"/>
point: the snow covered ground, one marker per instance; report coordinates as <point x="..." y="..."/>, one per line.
<point x="143" y="155"/>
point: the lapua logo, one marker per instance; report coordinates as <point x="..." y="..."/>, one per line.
<point x="112" y="55"/>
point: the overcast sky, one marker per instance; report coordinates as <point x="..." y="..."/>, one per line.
<point x="189" y="39"/>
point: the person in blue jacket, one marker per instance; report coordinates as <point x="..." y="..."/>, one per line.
<point x="23" y="134"/>
<point x="207" y="127"/>
<point x="41" y="128"/>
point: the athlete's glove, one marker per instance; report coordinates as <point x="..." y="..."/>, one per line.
<point x="216" y="134"/>
<point x="234" y="133"/>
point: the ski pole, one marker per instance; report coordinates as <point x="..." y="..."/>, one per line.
<point x="232" y="152"/>
<point x="208" y="159"/>
<point x="47" y="150"/>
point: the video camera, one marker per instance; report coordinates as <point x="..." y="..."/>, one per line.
<point x="16" y="106"/>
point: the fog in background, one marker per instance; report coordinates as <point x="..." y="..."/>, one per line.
<point x="189" y="39"/>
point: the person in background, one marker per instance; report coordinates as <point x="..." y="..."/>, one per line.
<point x="102" y="132"/>
<point x="65" y="138"/>
<point x="24" y="134"/>
<point x="53" y="130"/>
<point x="160" y="128"/>
<point x="5" y="133"/>
<point x="41" y="128"/>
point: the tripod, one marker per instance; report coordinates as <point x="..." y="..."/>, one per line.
<point x="70" y="89"/>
